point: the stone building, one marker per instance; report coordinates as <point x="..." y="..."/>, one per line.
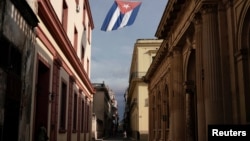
<point x="200" y="74"/>
<point x="45" y="69"/>
<point x="17" y="51"/>
<point x="137" y="93"/>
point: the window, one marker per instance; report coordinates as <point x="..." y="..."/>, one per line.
<point x="75" y="113"/>
<point x="89" y="29"/>
<point x="65" y="15"/>
<point x="158" y="118"/>
<point x="88" y="66"/>
<point x="153" y="57"/>
<point x="63" y="107"/>
<point x="77" y="6"/>
<point x="84" y="15"/>
<point x="77" y="2"/>
<point x="167" y="107"/>
<point x="82" y="54"/>
<point x="146" y="102"/>
<point x="154" y="121"/>
<point x="82" y="118"/>
<point x="75" y="39"/>
<point x="86" y="116"/>
<point x="87" y="119"/>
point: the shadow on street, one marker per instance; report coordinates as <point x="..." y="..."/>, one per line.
<point x="118" y="137"/>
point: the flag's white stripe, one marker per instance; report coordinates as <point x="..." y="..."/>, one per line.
<point x="113" y="19"/>
<point x="125" y="19"/>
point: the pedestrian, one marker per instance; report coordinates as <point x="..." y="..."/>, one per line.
<point x="42" y="133"/>
<point x="125" y="134"/>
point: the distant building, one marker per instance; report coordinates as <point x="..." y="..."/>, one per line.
<point x="137" y="93"/>
<point x="105" y="111"/>
<point x="115" y="115"/>
<point x="200" y="74"/>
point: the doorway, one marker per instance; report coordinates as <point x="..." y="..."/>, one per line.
<point x="10" y="63"/>
<point x="41" y="98"/>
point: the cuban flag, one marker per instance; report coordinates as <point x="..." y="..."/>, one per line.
<point x="121" y="14"/>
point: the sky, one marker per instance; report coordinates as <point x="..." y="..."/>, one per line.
<point x="112" y="50"/>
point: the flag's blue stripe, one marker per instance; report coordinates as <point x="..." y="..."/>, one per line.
<point x="131" y="18"/>
<point x="108" y="17"/>
<point x="118" y="22"/>
<point x="133" y="15"/>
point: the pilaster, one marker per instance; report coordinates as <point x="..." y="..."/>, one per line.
<point x="54" y="97"/>
<point x="211" y="63"/>
<point x="201" y="120"/>
<point x="178" y="96"/>
<point x="225" y="63"/>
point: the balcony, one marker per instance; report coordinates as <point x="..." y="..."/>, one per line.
<point x="136" y="75"/>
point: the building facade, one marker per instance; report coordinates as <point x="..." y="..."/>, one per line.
<point x="63" y="93"/>
<point x="137" y="93"/>
<point x="114" y="114"/>
<point x="200" y="75"/>
<point x="45" y="70"/>
<point x="105" y="112"/>
<point x="17" y="50"/>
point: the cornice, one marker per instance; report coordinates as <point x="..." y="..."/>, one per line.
<point x="169" y="16"/>
<point x="48" y="16"/>
<point x="160" y="55"/>
<point x="89" y="14"/>
<point x="58" y="59"/>
<point x="173" y="28"/>
<point x="26" y="11"/>
<point x="144" y="43"/>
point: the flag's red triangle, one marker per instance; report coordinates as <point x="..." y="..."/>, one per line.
<point x="126" y="6"/>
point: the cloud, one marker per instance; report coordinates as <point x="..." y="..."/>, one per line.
<point x="113" y="71"/>
<point x="112" y="51"/>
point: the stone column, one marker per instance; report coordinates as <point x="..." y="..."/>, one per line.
<point x="225" y="63"/>
<point x="178" y="96"/>
<point x="201" y="120"/>
<point x="231" y="49"/>
<point x="212" y="66"/>
<point x="171" y="133"/>
<point x="242" y="66"/>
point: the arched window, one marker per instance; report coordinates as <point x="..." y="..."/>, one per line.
<point x="166" y="103"/>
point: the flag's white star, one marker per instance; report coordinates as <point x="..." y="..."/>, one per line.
<point x="126" y="6"/>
